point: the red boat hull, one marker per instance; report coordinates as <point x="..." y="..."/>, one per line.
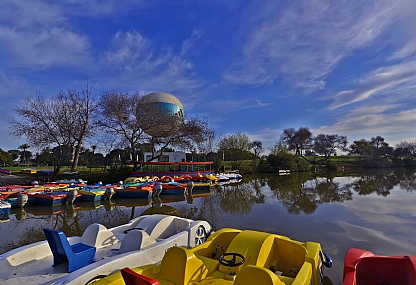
<point x="364" y="267"/>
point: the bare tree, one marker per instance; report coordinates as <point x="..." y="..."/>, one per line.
<point x="406" y="149"/>
<point x="43" y="123"/>
<point x="61" y="123"/>
<point x="193" y="134"/>
<point x="85" y="108"/>
<point x="137" y="122"/>
<point x="120" y="117"/>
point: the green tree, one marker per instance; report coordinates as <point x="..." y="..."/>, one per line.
<point x="380" y="147"/>
<point x="297" y="140"/>
<point x="257" y="147"/>
<point x="5" y="157"/>
<point x="280" y="157"/>
<point x="24" y="147"/>
<point x="236" y="147"/>
<point x="14" y="153"/>
<point x="327" y="144"/>
<point x="361" y="148"/>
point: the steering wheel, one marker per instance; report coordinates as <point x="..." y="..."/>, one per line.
<point x="231" y="262"/>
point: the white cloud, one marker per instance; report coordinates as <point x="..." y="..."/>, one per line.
<point x="305" y="40"/>
<point x="379" y="82"/>
<point x="47" y="48"/>
<point x="36" y="35"/>
<point x="390" y="121"/>
<point x="135" y="58"/>
<point x="261" y="104"/>
<point x="29" y="15"/>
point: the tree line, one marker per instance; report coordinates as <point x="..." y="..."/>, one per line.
<point x="68" y="128"/>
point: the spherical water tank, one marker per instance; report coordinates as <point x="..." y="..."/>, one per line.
<point x="161" y="114"/>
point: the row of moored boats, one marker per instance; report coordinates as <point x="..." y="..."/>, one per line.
<point x="70" y="191"/>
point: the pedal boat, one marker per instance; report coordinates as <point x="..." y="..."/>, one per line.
<point x="142" y="241"/>
<point x="232" y="256"/>
<point x="364" y="267"/>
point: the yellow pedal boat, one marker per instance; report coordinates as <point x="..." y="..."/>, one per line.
<point x="232" y="256"/>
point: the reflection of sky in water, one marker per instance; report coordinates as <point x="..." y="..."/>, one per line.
<point x="384" y="225"/>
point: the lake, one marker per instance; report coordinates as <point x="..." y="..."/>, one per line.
<point x="373" y="210"/>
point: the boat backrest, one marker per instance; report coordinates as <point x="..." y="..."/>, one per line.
<point x="77" y="255"/>
<point x="382" y="270"/>
<point x="130" y="277"/>
<point x="217" y="243"/>
<point x="254" y="246"/>
<point x="55" y="243"/>
<point x="159" y="226"/>
<point x="288" y="254"/>
<point x="256" y="275"/>
<point x="136" y="240"/>
<point x="98" y="236"/>
<point x="181" y="266"/>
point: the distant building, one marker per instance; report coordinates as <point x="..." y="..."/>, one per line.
<point x="177" y="156"/>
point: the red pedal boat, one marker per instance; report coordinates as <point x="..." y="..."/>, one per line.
<point x="364" y="267"/>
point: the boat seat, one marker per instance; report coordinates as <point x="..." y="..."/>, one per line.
<point x="132" y="278"/>
<point x="98" y="236"/>
<point x="160" y="228"/>
<point x="256" y="275"/>
<point x="256" y="251"/>
<point x="287" y="255"/>
<point x="211" y="264"/>
<point x="77" y="255"/>
<point x="181" y="266"/>
<point x="135" y="240"/>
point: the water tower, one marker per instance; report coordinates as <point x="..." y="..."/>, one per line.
<point x="161" y="113"/>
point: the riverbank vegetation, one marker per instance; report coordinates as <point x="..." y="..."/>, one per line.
<point x="109" y="133"/>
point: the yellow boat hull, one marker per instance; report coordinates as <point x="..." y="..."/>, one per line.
<point x="269" y="259"/>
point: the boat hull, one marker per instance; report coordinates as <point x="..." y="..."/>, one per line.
<point x="364" y="267"/>
<point x="143" y="240"/>
<point x="257" y="258"/>
<point x="134" y="192"/>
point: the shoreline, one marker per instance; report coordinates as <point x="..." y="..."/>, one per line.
<point x="12" y="179"/>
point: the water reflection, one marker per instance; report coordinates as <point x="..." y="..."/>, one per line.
<point x="299" y="193"/>
<point x="372" y="210"/>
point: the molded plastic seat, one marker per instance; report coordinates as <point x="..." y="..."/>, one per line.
<point x="181" y="266"/>
<point x="77" y="255"/>
<point x="132" y="278"/>
<point x="256" y="275"/>
<point x="136" y="240"/>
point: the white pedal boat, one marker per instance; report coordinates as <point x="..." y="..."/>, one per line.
<point x="143" y="240"/>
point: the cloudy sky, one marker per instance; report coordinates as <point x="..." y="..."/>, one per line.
<point x="258" y="67"/>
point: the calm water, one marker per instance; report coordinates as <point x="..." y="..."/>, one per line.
<point x="374" y="211"/>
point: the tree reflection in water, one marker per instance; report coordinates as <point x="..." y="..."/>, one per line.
<point x="407" y="179"/>
<point x="299" y="193"/>
<point x="380" y="182"/>
<point x="72" y="220"/>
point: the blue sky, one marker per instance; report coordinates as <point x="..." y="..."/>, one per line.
<point x="258" y="67"/>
